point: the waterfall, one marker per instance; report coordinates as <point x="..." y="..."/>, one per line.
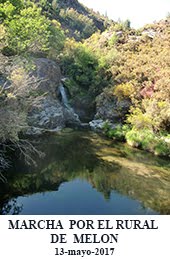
<point x="65" y="102"/>
<point x="64" y="98"/>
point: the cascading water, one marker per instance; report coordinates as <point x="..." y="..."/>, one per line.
<point x="65" y="102"/>
<point x="64" y="98"/>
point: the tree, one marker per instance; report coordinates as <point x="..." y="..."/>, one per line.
<point x="28" y="30"/>
<point x="16" y="96"/>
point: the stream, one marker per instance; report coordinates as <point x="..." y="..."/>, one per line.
<point x="84" y="173"/>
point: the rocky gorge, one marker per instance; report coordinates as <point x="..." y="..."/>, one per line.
<point x="51" y="112"/>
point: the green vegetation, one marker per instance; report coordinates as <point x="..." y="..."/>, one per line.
<point x="83" y="25"/>
<point x="86" y="77"/>
<point x="103" y="60"/>
<point x="140" y="73"/>
<point x="117" y="133"/>
<point x="149" y="141"/>
<point x="25" y="29"/>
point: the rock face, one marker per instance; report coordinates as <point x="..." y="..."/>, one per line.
<point x="84" y="107"/>
<point x="110" y="108"/>
<point x="48" y="113"/>
<point x="49" y="74"/>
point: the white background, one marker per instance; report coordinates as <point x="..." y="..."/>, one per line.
<point x="132" y="244"/>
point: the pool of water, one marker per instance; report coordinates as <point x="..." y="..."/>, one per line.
<point x="84" y="173"/>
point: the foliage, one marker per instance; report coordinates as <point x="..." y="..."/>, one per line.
<point x="140" y="71"/>
<point x="79" y="22"/>
<point x="82" y="67"/>
<point x="144" y="139"/>
<point x="124" y="90"/>
<point x="15" y="100"/>
<point x="147" y="140"/>
<point x="27" y="29"/>
<point x="117" y="133"/>
<point x="113" y="40"/>
<point x="56" y="39"/>
<point x="140" y="120"/>
<point x="138" y="63"/>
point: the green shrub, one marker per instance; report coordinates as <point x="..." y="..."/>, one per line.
<point x="144" y="139"/>
<point x="162" y="148"/>
<point x="147" y="140"/>
<point x="139" y="120"/>
<point x="25" y="28"/>
<point x="117" y="133"/>
<point x="113" y="40"/>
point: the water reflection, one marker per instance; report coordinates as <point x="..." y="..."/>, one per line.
<point x="83" y="173"/>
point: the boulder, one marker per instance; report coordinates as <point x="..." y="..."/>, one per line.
<point x="108" y="107"/>
<point x="49" y="74"/>
<point x="49" y="113"/>
<point x="97" y="125"/>
<point x="71" y="118"/>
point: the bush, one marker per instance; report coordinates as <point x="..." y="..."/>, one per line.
<point x="147" y="140"/>
<point x="81" y="66"/>
<point x="140" y="120"/>
<point x="79" y="22"/>
<point x="117" y="133"/>
<point x="15" y="101"/>
<point x="144" y="139"/>
<point x="26" y="29"/>
<point x="124" y="90"/>
<point x="162" y="148"/>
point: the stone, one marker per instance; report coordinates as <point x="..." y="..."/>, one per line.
<point x="97" y="125"/>
<point x="49" y="113"/>
<point x="49" y="74"/>
<point x="71" y="118"/>
<point x="110" y="108"/>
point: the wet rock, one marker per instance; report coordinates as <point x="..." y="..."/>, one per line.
<point x="84" y="107"/>
<point x="71" y="118"/>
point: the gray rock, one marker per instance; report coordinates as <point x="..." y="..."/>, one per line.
<point x="108" y="107"/>
<point x="49" y="114"/>
<point x="49" y="74"/>
<point x="71" y="118"/>
<point x="97" y="125"/>
<point x="150" y="33"/>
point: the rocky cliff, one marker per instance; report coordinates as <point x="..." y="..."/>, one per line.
<point x="49" y="113"/>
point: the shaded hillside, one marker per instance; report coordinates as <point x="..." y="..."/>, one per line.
<point x="77" y="20"/>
